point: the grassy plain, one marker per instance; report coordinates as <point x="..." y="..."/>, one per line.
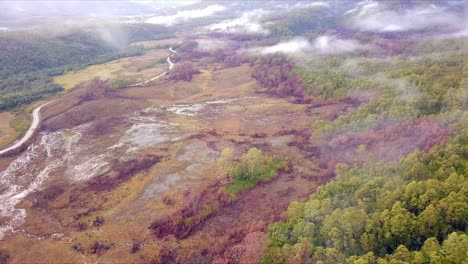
<point x="222" y="109"/>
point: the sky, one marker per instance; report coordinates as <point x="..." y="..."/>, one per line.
<point x="33" y="13"/>
<point x="365" y="16"/>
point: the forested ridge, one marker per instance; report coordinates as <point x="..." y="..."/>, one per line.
<point x="411" y="210"/>
<point x="28" y="60"/>
<point x="398" y="212"/>
<point x="400" y="206"/>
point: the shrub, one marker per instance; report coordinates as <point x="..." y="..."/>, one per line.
<point x="4" y="256"/>
<point x="99" y="221"/>
<point x="254" y="166"/>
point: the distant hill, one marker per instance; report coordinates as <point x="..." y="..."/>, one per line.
<point x="28" y="59"/>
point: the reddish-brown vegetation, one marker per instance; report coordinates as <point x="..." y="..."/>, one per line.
<point x="95" y="89"/>
<point x="276" y="74"/>
<point x="42" y="198"/>
<point x="249" y="250"/>
<point x="182" y="71"/>
<point x="123" y="171"/>
<point x="386" y="141"/>
<point x="199" y="207"/>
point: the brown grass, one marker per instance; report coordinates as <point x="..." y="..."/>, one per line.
<point x="127" y="213"/>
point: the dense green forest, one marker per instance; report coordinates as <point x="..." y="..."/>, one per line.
<point x="28" y="60"/>
<point x="413" y="211"/>
<point x="408" y="89"/>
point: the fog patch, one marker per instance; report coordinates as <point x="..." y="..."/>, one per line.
<point x="185" y="15"/>
<point x="288" y="47"/>
<point x="406" y="91"/>
<point x="248" y="22"/>
<point x="375" y="16"/>
<point x="313" y="4"/>
<point x="113" y="36"/>
<point x="301" y="4"/>
<point x="326" y="44"/>
<point x="207" y="45"/>
<point x="332" y="45"/>
<point x="461" y="32"/>
<point x="457" y="34"/>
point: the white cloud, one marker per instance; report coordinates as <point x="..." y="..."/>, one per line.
<point x="288" y="47"/>
<point x="314" y="4"/>
<point x="301" y="4"/>
<point x="461" y="32"/>
<point x="332" y="45"/>
<point x="322" y="45"/>
<point x="363" y="8"/>
<point x="249" y="22"/>
<point x="185" y="15"/>
<point x="210" y="44"/>
<point x="374" y="16"/>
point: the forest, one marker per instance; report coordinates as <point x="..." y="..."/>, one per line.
<point x="307" y="21"/>
<point x="398" y="212"/>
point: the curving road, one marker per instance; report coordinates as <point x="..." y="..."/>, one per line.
<point x="171" y="65"/>
<point x="29" y="133"/>
<point x="36" y="112"/>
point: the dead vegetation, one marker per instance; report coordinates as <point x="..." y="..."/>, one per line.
<point x="121" y="172"/>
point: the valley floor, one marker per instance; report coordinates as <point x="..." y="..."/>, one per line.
<point x="102" y="171"/>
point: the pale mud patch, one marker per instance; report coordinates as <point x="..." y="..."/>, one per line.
<point x="143" y="135"/>
<point x="206" y="107"/>
<point x="30" y="171"/>
<point x="76" y="155"/>
<point x="143" y="130"/>
<point x="195" y="158"/>
<point x="198" y="152"/>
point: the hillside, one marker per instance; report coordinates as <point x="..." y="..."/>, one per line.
<point x="29" y="60"/>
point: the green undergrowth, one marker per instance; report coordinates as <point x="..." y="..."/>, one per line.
<point x="253" y="167"/>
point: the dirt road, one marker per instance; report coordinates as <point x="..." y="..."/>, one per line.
<point x="171" y="65"/>
<point x="29" y="133"/>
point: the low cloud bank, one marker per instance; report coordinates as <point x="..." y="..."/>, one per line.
<point x="288" y="47"/>
<point x="248" y="22"/>
<point x="207" y="45"/>
<point x="313" y="4"/>
<point x="332" y="44"/>
<point x="186" y="15"/>
<point x="327" y="44"/>
<point x="462" y="32"/>
<point x="377" y="17"/>
<point x="302" y="4"/>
